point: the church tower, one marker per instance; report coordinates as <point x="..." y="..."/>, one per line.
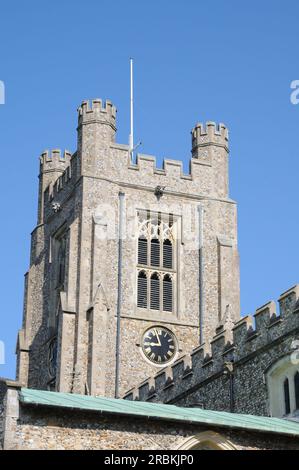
<point x="132" y="266"/>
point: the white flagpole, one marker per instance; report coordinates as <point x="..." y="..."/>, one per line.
<point x="131" y="138"/>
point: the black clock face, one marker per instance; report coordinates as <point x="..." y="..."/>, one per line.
<point x="159" y="345"/>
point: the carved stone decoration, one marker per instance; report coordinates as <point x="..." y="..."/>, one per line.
<point x="56" y="207"/>
<point x="159" y="191"/>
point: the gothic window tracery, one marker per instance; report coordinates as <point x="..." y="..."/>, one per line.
<point x="156" y="270"/>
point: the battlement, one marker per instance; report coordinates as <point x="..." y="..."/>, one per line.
<point x="54" y="160"/>
<point x="250" y="334"/>
<point x="210" y="134"/>
<point x="99" y="154"/>
<point x="147" y="164"/>
<point x="210" y="130"/>
<point x="59" y="168"/>
<point x="89" y="110"/>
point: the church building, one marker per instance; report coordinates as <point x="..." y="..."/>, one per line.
<point x="132" y="308"/>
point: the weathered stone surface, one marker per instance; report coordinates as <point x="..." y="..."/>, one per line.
<point x="79" y="197"/>
<point x="68" y="336"/>
<point x="3" y="390"/>
<point x="44" y="429"/>
<point x="207" y="382"/>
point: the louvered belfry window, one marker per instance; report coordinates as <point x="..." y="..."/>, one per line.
<point x="155" y="292"/>
<point x="156" y="274"/>
<point x="155" y="252"/>
<point x="142" y="250"/>
<point x="167" y="293"/>
<point x="167" y="254"/>
<point x="142" y="290"/>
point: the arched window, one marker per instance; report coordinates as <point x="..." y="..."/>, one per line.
<point x="156" y="258"/>
<point x="155" y="252"/>
<point x="142" y="250"/>
<point x="296" y="383"/>
<point x="61" y="262"/>
<point x="286" y="389"/>
<point x="155" y="292"/>
<point x="167" y="254"/>
<point x="167" y="293"/>
<point x="282" y="379"/>
<point x="142" y="290"/>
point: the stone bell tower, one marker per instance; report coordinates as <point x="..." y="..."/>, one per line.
<point x="131" y="265"/>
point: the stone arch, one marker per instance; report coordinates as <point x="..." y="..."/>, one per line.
<point x="281" y="386"/>
<point x="207" y="440"/>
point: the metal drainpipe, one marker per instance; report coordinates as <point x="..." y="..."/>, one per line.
<point x="119" y="292"/>
<point x="201" y="274"/>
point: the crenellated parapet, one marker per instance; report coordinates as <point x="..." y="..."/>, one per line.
<point x="54" y="169"/>
<point x="100" y="156"/>
<point x="97" y="110"/>
<point x="206" y="135"/>
<point x="207" y="361"/>
<point x="61" y="164"/>
<point x="54" y="160"/>
<point x="147" y="165"/>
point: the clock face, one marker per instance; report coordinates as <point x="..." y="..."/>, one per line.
<point x="159" y="345"/>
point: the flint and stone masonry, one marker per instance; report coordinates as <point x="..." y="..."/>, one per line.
<point x="46" y="428"/>
<point x="231" y="373"/>
<point x="68" y="339"/>
<point x="83" y="326"/>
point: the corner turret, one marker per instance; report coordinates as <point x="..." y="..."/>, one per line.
<point x="52" y="165"/>
<point x="210" y="148"/>
<point x="96" y="131"/>
<point x="205" y="136"/>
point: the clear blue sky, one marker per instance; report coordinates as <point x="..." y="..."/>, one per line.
<point x="195" y="60"/>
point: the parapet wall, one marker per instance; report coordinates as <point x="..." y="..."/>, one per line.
<point x="101" y="157"/>
<point x="54" y="160"/>
<point x="208" y="134"/>
<point x="97" y="109"/>
<point x="237" y="345"/>
<point x="207" y="173"/>
<point x="98" y="155"/>
<point x="63" y="166"/>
